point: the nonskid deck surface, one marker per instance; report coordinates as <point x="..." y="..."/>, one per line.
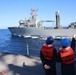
<point x="23" y="65"/>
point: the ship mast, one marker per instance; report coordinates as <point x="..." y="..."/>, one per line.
<point x="34" y="16"/>
<point x="32" y="12"/>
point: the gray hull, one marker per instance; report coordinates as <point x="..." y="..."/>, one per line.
<point x="33" y="31"/>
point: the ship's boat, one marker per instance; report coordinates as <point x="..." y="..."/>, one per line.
<point x="33" y="27"/>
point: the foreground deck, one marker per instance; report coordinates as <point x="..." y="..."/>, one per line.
<point x="15" y="64"/>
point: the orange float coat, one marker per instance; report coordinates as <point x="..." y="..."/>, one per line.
<point x="67" y="55"/>
<point x="47" y="51"/>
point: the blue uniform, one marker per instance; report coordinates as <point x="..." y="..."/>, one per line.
<point x="51" y="63"/>
<point x="66" y="68"/>
<point x="73" y="43"/>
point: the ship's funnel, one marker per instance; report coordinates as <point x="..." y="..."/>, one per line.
<point x="58" y="19"/>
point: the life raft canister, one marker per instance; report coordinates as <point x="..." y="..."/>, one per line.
<point x="47" y="51"/>
<point x="67" y="55"/>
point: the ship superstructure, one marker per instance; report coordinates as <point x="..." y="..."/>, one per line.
<point x="33" y="27"/>
<point x="72" y="25"/>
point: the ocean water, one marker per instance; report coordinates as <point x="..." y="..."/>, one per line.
<point x="20" y="45"/>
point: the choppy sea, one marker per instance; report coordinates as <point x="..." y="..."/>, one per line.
<point x="20" y="45"/>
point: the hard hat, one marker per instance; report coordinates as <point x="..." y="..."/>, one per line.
<point x="49" y="40"/>
<point x="65" y="42"/>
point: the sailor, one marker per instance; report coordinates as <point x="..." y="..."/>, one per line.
<point x="66" y="57"/>
<point x="48" y="55"/>
<point x="73" y="42"/>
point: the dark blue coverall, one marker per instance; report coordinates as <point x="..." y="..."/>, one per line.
<point x="52" y="64"/>
<point x="73" y="43"/>
<point x="66" y="69"/>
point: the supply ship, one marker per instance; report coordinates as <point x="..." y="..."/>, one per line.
<point x="32" y="27"/>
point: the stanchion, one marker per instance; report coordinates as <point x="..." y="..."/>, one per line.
<point x="27" y="50"/>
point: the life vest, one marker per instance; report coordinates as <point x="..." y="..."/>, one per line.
<point x="67" y="55"/>
<point x="47" y="51"/>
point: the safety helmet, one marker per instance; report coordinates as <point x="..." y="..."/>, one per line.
<point x="65" y="42"/>
<point x="49" y="40"/>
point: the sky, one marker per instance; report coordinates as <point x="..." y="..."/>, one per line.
<point x="11" y="11"/>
